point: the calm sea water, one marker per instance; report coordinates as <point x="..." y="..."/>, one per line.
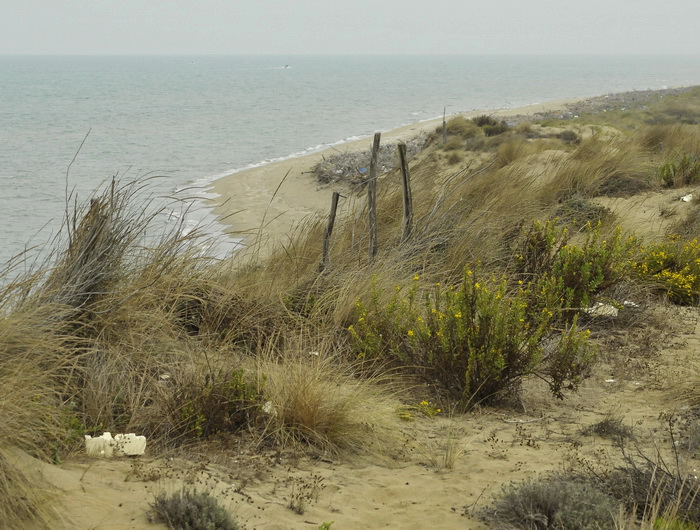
<point x="193" y="119"/>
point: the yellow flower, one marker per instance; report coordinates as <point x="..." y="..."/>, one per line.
<point x="416" y="277"/>
<point x="458" y="314"/>
<point x="410" y="333"/>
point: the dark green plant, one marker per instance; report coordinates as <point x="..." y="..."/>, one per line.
<point x="569" y="137"/>
<point x="189" y="510"/>
<point x="495" y="130"/>
<point x="680" y="171"/>
<point x="484" y="119"/>
<point x="220" y="401"/>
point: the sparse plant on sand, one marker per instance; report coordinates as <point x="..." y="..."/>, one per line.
<point x="191" y="510"/>
<point x="552" y="503"/>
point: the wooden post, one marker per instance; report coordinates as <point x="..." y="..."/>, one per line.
<point x="326" y="261"/>
<point x="444" y="125"/>
<point x="407" y="198"/>
<point x="372" y="197"/>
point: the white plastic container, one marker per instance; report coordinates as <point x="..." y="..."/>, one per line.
<point x="121" y="444"/>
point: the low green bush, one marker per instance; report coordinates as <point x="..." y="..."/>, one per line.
<point x="476" y="340"/>
<point x="484" y="119"/>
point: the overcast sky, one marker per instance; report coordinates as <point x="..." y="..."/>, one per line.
<point x="348" y="26"/>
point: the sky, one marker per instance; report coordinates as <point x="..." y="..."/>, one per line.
<point x="287" y="27"/>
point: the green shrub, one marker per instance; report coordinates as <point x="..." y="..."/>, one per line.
<point x="476" y="340"/>
<point x="484" y="119"/>
<point x="556" y="503"/>
<point x="569" y="137"/>
<point x="495" y="130"/>
<point x="189" y="510"/>
<point x="454" y="158"/>
<point x="206" y="403"/>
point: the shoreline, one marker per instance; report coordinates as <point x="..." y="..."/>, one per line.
<point x="272" y="198"/>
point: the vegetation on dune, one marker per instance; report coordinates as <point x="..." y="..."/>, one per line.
<point x="133" y="327"/>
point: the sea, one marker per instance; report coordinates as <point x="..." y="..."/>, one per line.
<point x="69" y="124"/>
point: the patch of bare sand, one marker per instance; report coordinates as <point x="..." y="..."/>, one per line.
<point x="650" y="215"/>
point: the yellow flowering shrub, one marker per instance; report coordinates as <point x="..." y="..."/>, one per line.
<point x="578" y="272"/>
<point x="675" y="266"/>
<point x="476" y="339"/>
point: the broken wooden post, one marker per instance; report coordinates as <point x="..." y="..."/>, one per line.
<point x="372" y="197"/>
<point x="326" y="260"/>
<point x="407" y="198"/>
<point x="444" y="125"/>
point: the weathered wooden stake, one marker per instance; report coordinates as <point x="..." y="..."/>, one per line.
<point x="444" y="125"/>
<point x="326" y="261"/>
<point x="372" y="197"/>
<point x="407" y="198"/>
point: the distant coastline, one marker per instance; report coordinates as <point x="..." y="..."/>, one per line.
<point x="280" y="194"/>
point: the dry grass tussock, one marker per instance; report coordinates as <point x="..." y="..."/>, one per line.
<point x="34" y="360"/>
<point x="314" y="401"/>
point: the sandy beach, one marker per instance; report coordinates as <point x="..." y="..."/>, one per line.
<point x="273" y="198"/>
